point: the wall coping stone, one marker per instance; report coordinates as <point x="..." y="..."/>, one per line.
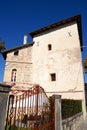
<point x="72" y="118"/>
<point x="4" y="88"/>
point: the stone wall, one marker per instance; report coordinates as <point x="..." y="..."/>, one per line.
<point x="72" y="123"/>
<point x="22" y="63"/>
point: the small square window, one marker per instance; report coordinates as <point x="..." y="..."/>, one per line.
<point x="53" y="77"/>
<point x="16" y="53"/>
<point x="49" y="47"/>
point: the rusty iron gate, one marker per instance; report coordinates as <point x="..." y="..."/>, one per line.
<point x="30" y="110"/>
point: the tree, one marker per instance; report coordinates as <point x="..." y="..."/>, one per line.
<point x="85" y="64"/>
<point x="2" y="44"/>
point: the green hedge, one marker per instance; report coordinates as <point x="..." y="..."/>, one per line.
<point x="15" y="128"/>
<point x="70" y="107"/>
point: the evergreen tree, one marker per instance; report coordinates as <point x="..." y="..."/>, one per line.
<point x="2" y="44"/>
<point x="85" y="64"/>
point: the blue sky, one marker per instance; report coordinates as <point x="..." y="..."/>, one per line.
<point x="19" y="17"/>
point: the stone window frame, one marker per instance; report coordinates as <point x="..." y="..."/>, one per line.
<point x="49" y="47"/>
<point x="16" y="53"/>
<point x="13" y="75"/>
<point x="53" y="76"/>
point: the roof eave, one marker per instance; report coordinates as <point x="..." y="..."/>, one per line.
<point x="4" y="52"/>
<point x="76" y="18"/>
<point x="49" y="27"/>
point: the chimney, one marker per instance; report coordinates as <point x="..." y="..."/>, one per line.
<point x="25" y="39"/>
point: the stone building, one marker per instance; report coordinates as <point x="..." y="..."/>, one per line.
<point x="52" y="60"/>
<point x="18" y="68"/>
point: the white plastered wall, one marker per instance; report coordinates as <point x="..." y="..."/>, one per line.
<point x="64" y="60"/>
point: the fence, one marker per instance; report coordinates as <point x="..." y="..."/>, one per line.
<point x="31" y="110"/>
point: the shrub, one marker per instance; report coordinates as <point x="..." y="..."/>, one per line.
<point x="70" y="107"/>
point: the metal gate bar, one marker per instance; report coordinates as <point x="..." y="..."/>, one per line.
<point x="30" y="110"/>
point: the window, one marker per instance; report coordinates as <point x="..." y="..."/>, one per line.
<point x="53" y="77"/>
<point x="49" y="47"/>
<point x="13" y="75"/>
<point x="16" y="53"/>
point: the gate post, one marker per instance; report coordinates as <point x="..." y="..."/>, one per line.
<point x="58" y="118"/>
<point x="4" y="91"/>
